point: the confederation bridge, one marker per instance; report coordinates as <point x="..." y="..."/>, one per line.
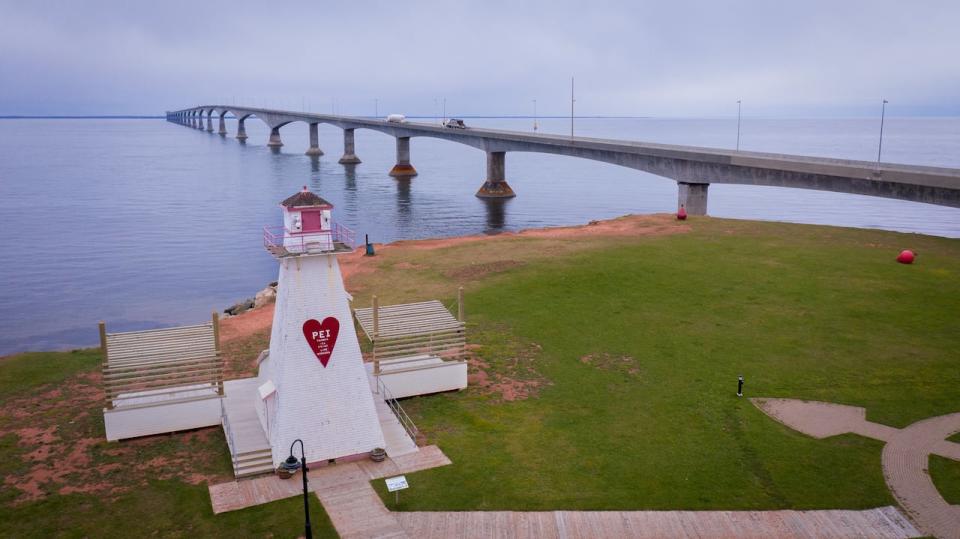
<point x="693" y="168"/>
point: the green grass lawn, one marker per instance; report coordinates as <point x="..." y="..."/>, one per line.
<point x="641" y="346"/>
<point x="160" y="509"/>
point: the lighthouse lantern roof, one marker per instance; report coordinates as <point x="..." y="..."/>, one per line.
<point x="305" y="199"/>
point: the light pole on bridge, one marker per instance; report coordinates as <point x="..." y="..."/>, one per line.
<point x="534" y="114"/>
<point x="883" y="112"/>
<point x="738" y="125"/>
<point x="572" y="101"/>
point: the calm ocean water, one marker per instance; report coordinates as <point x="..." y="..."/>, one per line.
<point x="144" y="223"/>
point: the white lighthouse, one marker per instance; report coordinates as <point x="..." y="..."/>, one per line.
<point x="313" y="384"/>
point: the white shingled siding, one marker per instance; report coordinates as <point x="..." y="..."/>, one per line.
<point x="331" y="409"/>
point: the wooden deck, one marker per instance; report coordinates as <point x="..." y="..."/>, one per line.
<point x="418" y="348"/>
<point x="245" y="493"/>
<point x="161" y="380"/>
<point x="883" y="522"/>
<point x="279" y="251"/>
<point x="356" y="511"/>
<point x="248" y="443"/>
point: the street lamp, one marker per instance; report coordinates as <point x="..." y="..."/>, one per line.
<point x="738" y="125"/>
<point x="883" y="112"/>
<point x="291" y="466"/>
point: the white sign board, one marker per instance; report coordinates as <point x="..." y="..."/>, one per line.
<point x="397" y="483"/>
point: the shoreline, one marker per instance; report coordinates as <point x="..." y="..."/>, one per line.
<point x="356" y="263"/>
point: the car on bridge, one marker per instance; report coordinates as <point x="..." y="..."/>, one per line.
<point x="396" y="118"/>
<point x="455" y="123"/>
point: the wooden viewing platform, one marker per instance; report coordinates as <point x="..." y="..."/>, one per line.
<point x="161" y="380"/>
<point x="418" y="348"/>
<point x="394" y="321"/>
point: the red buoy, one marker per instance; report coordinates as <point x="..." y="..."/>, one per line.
<point x="906" y="257"/>
<point x="682" y="214"/>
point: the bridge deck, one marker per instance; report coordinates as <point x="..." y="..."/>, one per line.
<point x="688" y="164"/>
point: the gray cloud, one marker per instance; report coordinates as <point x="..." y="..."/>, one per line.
<point x="647" y="58"/>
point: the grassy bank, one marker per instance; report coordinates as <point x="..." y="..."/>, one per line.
<point x="637" y="349"/>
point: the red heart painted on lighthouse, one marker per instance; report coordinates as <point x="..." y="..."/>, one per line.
<point x="322" y="337"/>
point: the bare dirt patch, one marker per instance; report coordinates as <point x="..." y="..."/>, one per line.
<point x="511" y="380"/>
<point x="610" y="362"/>
<point x="61" y="447"/>
<point x="246" y="323"/>
<point x="630" y="225"/>
<point x="478" y="270"/>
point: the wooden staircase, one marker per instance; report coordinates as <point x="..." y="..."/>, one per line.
<point x="252" y="463"/>
<point x="249" y="448"/>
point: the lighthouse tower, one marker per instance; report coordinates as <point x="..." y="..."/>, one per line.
<point x="313" y="384"/>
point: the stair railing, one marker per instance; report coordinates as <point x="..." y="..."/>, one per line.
<point x="398" y="411"/>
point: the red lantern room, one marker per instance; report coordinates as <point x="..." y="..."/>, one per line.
<point x="308" y="228"/>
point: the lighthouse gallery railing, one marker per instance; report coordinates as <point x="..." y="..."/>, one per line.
<point x="275" y="237"/>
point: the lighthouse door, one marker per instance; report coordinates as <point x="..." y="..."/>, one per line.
<point x="311" y="221"/>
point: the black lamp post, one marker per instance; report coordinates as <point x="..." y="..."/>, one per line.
<point x="291" y="466"/>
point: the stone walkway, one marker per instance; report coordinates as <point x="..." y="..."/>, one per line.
<point x="905" y="456"/>
<point x="244" y="493"/>
<point x="905" y="459"/>
<point x="884" y="522"/>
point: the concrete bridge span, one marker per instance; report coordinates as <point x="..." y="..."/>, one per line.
<point x="693" y="168"/>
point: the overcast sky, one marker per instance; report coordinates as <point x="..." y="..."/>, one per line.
<point x="667" y="58"/>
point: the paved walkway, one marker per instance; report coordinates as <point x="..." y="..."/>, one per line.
<point x="245" y="493"/>
<point x="905" y="459"/>
<point x="884" y="522"/>
<point x="905" y="456"/>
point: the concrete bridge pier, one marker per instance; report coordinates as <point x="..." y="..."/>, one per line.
<point x="210" y="121"/>
<point x="693" y="197"/>
<point x="314" y="149"/>
<point x="241" y="130"/>
<point x="403" y="169"/>
<point x="223" y="124"/>
<point x="496" y="185"/>
<point x="198" y="120"/>
<point x="274" y="141"/>
<point x="349" y="157"/>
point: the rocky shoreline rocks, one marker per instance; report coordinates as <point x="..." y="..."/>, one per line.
<point x="263" y="297"/>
